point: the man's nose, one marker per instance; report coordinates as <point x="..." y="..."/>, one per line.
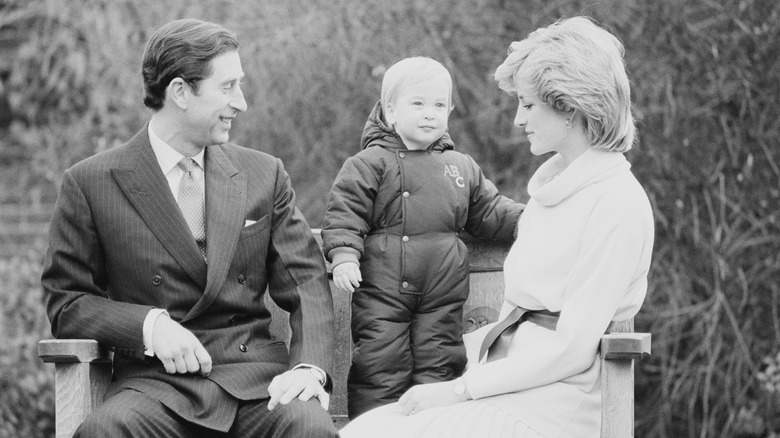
<point x="239" y="103"/>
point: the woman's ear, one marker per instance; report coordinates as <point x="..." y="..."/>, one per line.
<point x="177" y="91"/>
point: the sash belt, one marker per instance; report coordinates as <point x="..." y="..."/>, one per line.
<point x="496" y="343"/>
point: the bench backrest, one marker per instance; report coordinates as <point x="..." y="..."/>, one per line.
<point x="486" y="263"/>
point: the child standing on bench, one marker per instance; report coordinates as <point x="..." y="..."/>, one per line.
<point x="391" y="232"/>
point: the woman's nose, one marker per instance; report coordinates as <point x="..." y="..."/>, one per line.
<point x="519" y="119"/>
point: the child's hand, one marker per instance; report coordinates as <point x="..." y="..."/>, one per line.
<point x="346" y="276"/>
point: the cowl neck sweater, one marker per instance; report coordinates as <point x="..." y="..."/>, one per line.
<point x="554" y="181"/>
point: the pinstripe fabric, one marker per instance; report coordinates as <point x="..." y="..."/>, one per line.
<point x="142" y="416"/>
<point x="296" y="420"/>
<point x="120" y="246"/>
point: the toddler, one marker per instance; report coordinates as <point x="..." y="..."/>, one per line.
<point x="391" y="232"/>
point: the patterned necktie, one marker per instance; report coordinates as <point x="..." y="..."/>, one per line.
<point x="192" y="204"/>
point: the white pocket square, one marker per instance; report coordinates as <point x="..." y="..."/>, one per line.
<point x="248" y="223"/>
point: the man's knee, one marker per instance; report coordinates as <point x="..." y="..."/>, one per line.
<point x="93" y="426"/>
<point x="303" y="419"/>
<point x="130" y="414"/>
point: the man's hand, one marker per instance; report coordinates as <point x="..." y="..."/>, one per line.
<point x="421" y="397"/>
<point x="346" y="276"/>
<point x="178" y="349"/>
<point x="299" y="383"/>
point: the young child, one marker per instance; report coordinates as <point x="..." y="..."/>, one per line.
<point x="391" y="232"/>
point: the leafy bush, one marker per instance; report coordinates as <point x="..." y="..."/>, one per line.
<point x="704" y="77"/>
<point x="26" y="383"/>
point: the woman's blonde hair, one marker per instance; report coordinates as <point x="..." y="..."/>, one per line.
<point x="410" y="71"/>
<point x="576" y="66"/>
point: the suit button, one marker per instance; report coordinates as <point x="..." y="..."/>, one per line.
<point x="402" y="155"/>
<point x="241" y="278"/>
<point x="405" y="238"/>
<point x="406" y="194"/>
<point x="405" y="284"/>
<point x="243" y="348"/>
<point x="156" y="280"/>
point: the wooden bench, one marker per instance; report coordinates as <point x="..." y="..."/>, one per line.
<point x="83" y="367"/>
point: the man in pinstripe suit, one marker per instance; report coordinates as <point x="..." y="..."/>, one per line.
<point x="183" y="309"/>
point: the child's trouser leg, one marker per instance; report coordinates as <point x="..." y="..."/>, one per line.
<point x="381" y="368"/>
<point x="437" y="344"/>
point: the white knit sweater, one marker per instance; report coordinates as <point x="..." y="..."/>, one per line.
<point x="583" y="248"/>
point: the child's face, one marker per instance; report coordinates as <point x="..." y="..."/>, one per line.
<point x="419" y="112"/>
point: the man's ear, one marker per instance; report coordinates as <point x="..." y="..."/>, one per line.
<point x="177" y="92"/>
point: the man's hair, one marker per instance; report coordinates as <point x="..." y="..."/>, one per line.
<point x="575" y="65"/>
<point x="182" y="49"/>
<point x="410" y="71"/>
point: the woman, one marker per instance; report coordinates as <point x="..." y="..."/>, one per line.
<point x="581" y="259"/>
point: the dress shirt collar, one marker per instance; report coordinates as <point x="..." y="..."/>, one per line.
<point x="168" y="157"/>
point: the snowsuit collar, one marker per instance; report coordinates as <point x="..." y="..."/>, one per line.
<point x="377" y="133"/>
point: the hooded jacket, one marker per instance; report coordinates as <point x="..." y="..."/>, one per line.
<point x="402" y="210"/>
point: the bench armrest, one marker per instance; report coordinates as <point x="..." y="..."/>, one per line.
<point x="82" y="371"/>
<point x="72" y="351"/>
<point x="625" y="346"/>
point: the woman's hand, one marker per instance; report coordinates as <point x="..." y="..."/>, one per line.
<point x="346" y="276"/>
<point x="421" y="397"/>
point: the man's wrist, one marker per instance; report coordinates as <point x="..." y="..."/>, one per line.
<point x="148" y="329"/>
<point x="315" y="371"/>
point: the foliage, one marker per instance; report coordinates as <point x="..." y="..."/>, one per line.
<point x="704" y="77"/>
<point x="710" y="114"/>
<point x="26" y="384"/>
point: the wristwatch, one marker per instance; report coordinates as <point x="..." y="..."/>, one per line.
<point x="316" y="372"/>
<point x="461" y="391"/>
<point x="321" y="376"/>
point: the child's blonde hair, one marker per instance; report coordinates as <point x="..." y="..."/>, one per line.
<point x="410" y="71"/>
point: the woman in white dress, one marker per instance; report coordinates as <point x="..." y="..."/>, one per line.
<point x="581" y="258"/>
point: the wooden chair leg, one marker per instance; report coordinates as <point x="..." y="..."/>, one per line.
<point x="82" y="373"/>
<point x="618" y="352"/>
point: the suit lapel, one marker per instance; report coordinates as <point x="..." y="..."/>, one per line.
<point x="140" y="178"/>
<point x="225" y="203"/>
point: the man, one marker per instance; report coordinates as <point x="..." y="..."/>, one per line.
<point x="162" y="248"/>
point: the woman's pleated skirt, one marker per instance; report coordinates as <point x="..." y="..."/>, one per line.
<point x="473" y="419"/>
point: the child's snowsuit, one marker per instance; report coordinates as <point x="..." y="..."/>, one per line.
<point x="399" y="212"/>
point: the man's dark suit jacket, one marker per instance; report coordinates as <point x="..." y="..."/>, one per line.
<point x="119" y="246"/>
